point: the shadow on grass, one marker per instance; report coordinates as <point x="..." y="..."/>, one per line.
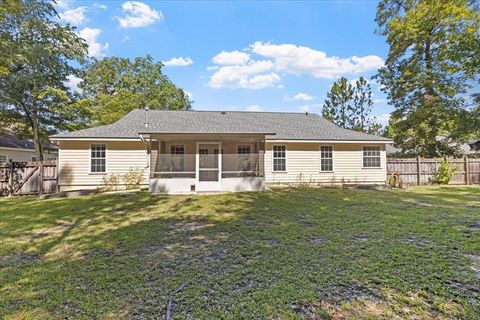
<point x="290" y="253"/>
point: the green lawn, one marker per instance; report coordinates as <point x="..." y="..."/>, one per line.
<point x="284" y="254"/>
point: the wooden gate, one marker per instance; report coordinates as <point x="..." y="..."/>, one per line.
<point x="28" y="178"/>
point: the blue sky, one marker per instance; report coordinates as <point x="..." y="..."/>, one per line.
<point x="245" y="55"/>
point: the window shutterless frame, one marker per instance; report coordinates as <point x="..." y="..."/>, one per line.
<point x="281" y="151"/>
<point x="327" y="156"/>
<point x="177" y="150"/>
<point x="94" y="145"/>
<point x="371" y="156"/>
<point x="3" y="158"/>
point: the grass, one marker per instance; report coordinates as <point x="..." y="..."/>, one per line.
<point x="294" y="253"/>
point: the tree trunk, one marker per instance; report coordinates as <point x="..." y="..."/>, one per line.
<point x="36" y="137"/>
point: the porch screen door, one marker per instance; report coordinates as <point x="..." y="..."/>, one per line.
<point x="208" y="170"/>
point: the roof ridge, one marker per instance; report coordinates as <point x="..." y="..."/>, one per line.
<point x="234" y="111"/>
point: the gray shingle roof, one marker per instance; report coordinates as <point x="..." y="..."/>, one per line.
<point x="277" y="125"/>
<point x="10" y="141"/>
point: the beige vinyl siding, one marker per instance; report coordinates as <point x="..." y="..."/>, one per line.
<point x="303" y="164"/>
<point x="74" y="162"/>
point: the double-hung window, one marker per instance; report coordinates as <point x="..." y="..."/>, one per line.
<point x="3" y="158"/>
<point x="98" y="158"/>
<point x="326" y="158"/>
<point x="177" y="152"/>
<point x="279" y="158"/>
<point x="371" y="157"/>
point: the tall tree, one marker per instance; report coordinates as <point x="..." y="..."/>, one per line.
<point x="114" y="86"/>
<point x="434" y="56"/>
<point x="362" y="108"/>
<point x="338" y="106"/>
<point x="33" y="95"/>
<point x="350" y="106"/>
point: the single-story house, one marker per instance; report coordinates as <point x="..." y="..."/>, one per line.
<point x="19" y="150"/>
<point x="208" y="151"/>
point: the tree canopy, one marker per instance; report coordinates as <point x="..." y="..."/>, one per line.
<point x="40" y="51"/>
<point x="434" y="59"/>
<point x="114" y="86"/>
<point x="349" y="106"/>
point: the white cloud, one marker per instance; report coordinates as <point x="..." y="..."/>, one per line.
<point x="379" y="100"/>
<point x="95" y="49"/>
<point x="304" y="108"/>
<point x="74" y="16"/>
<point x="253" y="75"/>
<point x="301" y="96"/>
<point x="101" y="6"/>
<point x="64" y="4"/>
<point x="383" y="118"/>
<point x="297" y="60"/>
<point x="73" y="82"/>
<point x="254" y="108"/>
<point x="189" y="94"/>
<point x="138" y="15"/>
<point x="178" y="62"/>
<point x="240" y="69"/>
<point x="125" y="38"/>
<point x="231" y="58"/>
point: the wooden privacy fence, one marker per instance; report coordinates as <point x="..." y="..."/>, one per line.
<point x="28" y="178"/>
<point x="420" y="171"/>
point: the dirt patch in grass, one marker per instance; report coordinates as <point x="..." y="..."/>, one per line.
<point x="18" y="257"/>
<point x="347" y="292"/>
<point x="419" y="243"/>
<point x="475" y="266"/>
<point x="316" y="240"/>
<point x="360" y="239"/>
<point x="474" y="227"/>
<point x="192" y="226"/>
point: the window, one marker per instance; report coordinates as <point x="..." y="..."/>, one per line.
<point x="243" y="149"/>
<point x="371" y="157"/>
<point x="3" y="158"/>
<point x="34" y="158"/>
<point x="98" y="158"/>
<point x="177" y="152"/>
<point x="326" y="158"/>
<point x="279" y="158"/>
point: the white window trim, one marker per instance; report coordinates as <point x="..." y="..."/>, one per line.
<point x="286" y="157"/>
<point x="90" y="161"/>
<point x="381" y="162"/>
<point x="6" y="157"/>
<point x="333" y="158"/>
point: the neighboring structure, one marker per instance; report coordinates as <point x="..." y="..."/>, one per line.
<point x="205" y="151"/>
<point x="468" y="148"/>
<point x="18" y="150"/>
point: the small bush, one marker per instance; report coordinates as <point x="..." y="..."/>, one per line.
<point x="133" y="179"/>
<point x="395" y="181"/>
<point x="110" y="182"/>
<point x="444" y="173"/>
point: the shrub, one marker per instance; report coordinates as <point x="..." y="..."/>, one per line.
<point x="395" y="181"/>
<point x="444" y="173"/>
<point x="133" y="179"/>
<point x="110" y="182"/>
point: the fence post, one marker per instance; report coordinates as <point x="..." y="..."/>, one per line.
<point x="10" y="178"/>
<point x="419" y="173"/>
<point x="467" y="173"/>
<point x="40" y="179"/>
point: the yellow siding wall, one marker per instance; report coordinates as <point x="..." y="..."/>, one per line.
<point x="303" y="165"/>
<point x="74" y="162"/>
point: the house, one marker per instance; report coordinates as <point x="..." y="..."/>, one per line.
<point x="19" y="150"/>
<point x="208" y="151"/>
